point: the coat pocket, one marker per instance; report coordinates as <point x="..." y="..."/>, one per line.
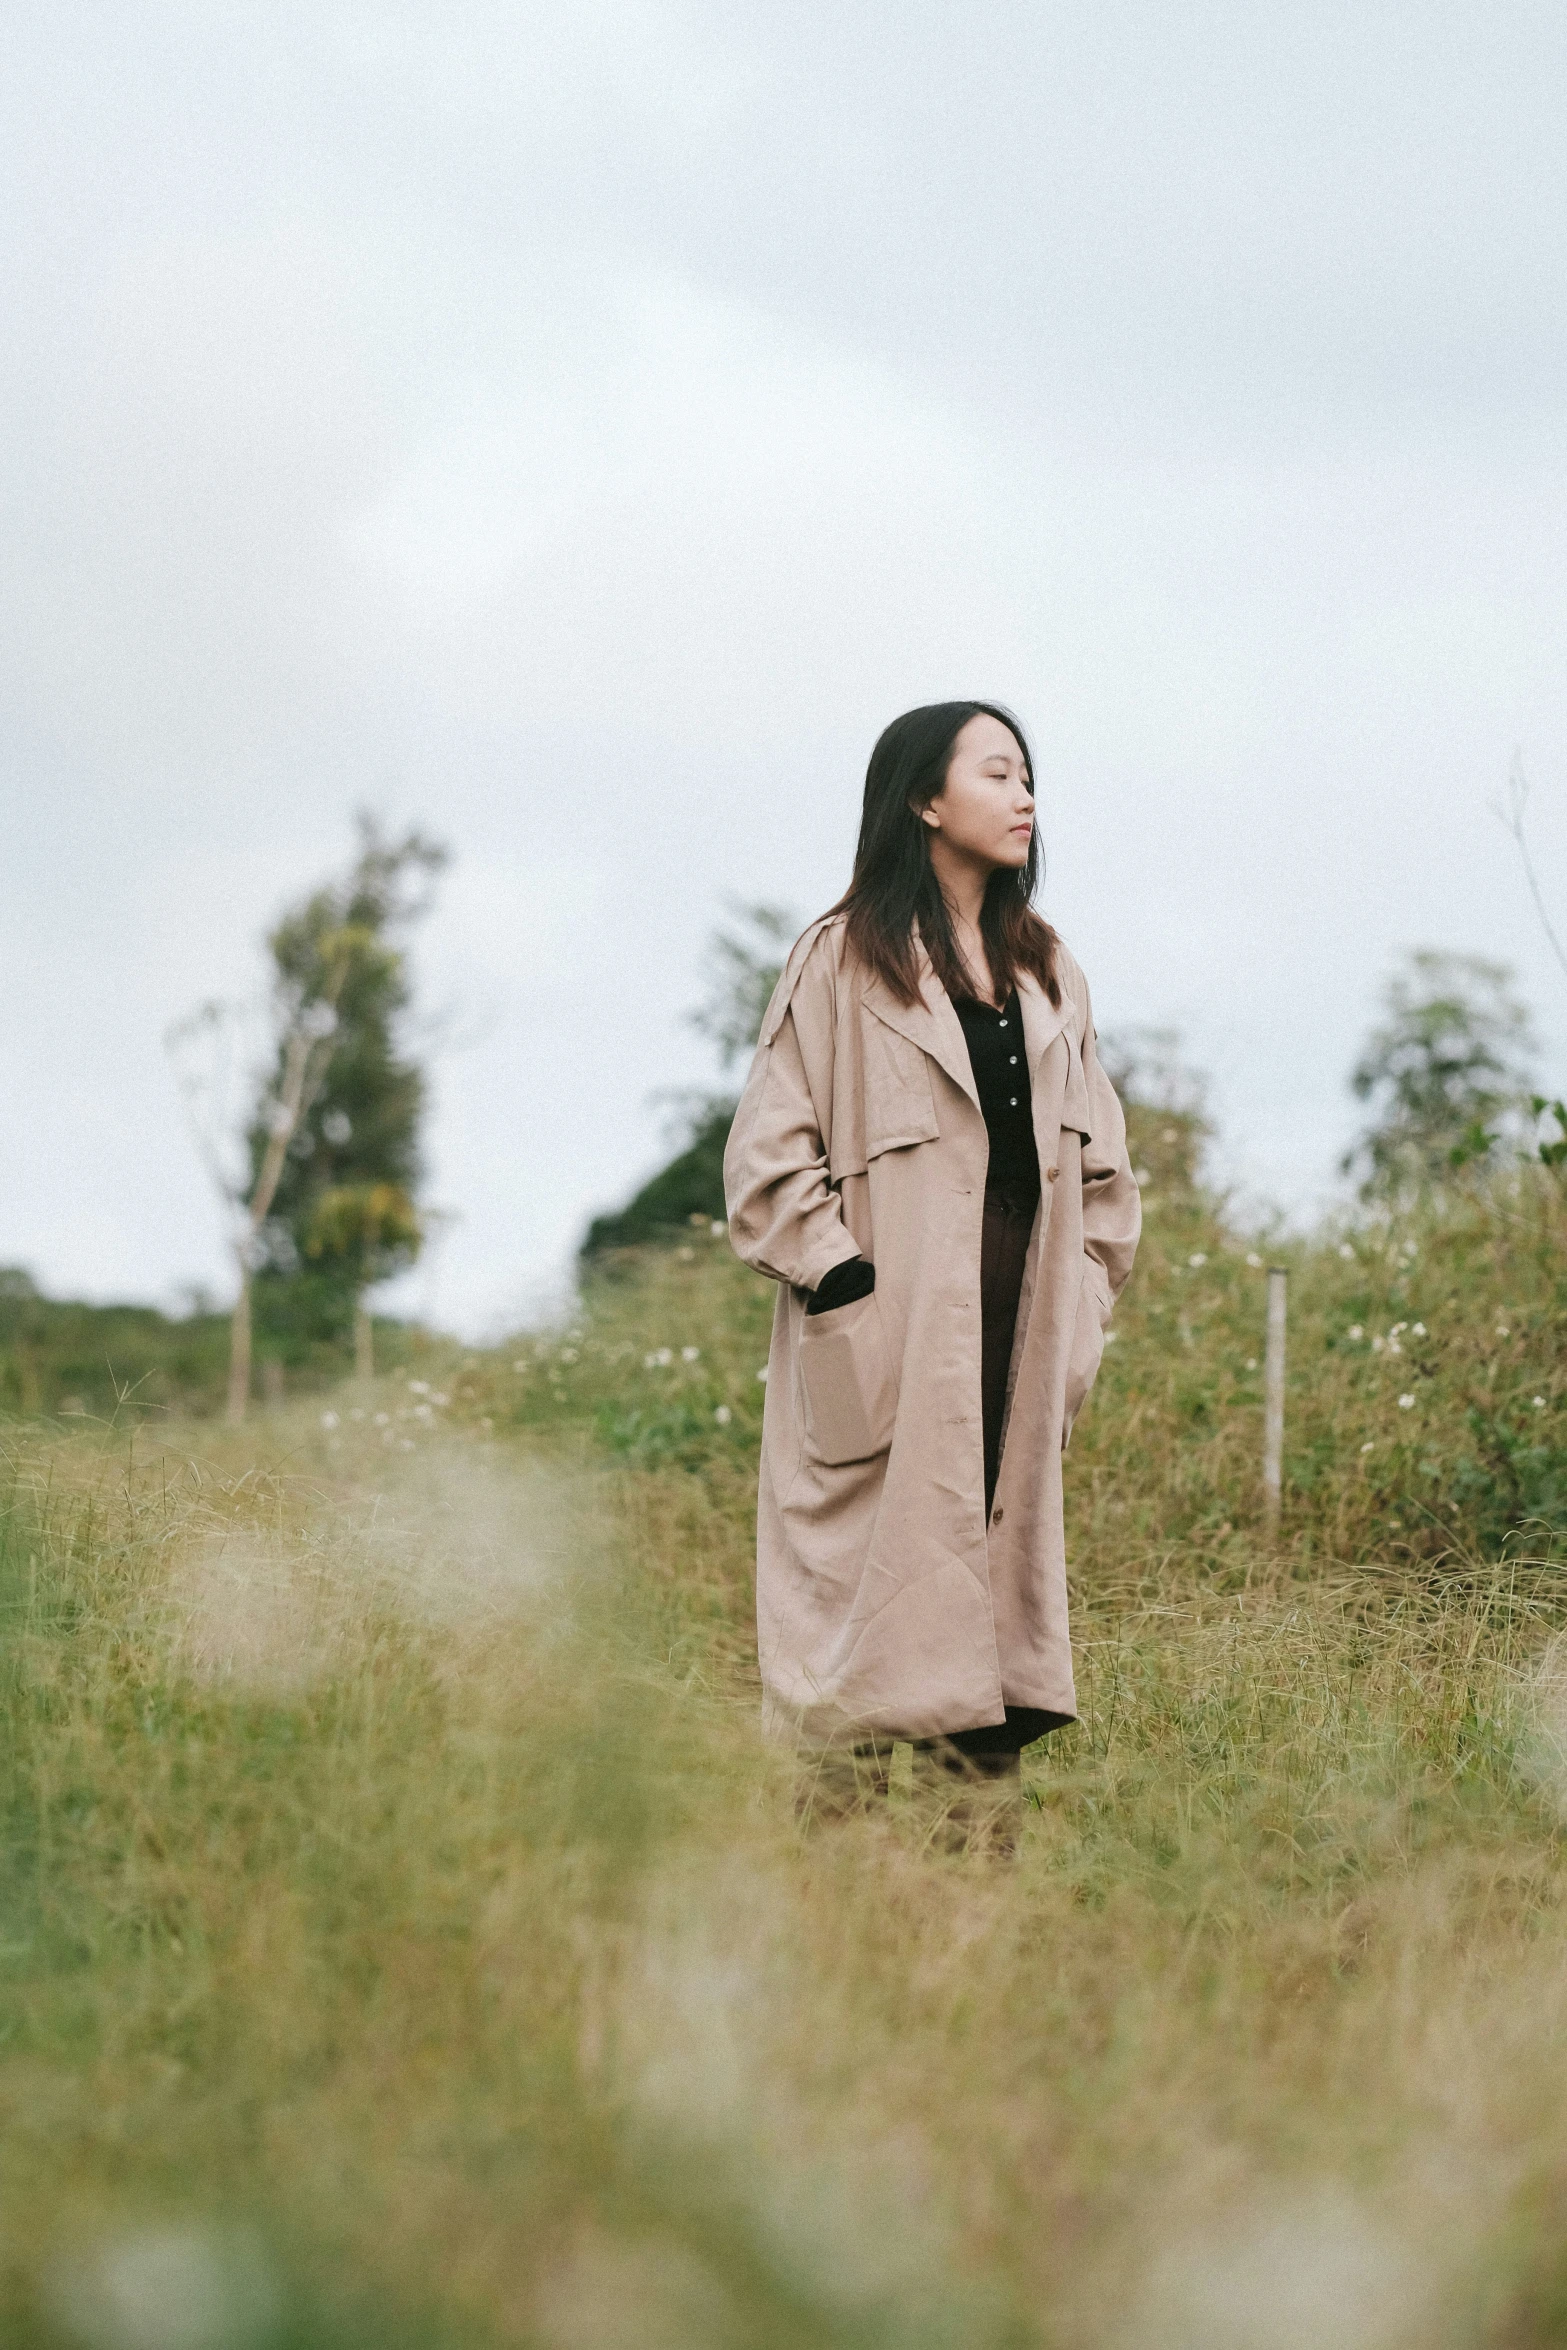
<point x="851" y="1396"/>
<point x="1088" y="1344"/>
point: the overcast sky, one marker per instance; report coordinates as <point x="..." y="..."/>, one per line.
<point x="580" y="429"/>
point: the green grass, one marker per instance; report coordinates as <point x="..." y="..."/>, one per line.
<point x="407" y="1938"/>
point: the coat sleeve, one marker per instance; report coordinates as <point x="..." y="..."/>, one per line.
<point x="1112" y="1203"/>
<point x="784" y="1215"/>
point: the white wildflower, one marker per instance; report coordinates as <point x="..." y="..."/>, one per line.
<point x="1251" y="1362"/>
<point x="1502" y="1330"/>
<point x="418" y="1387"/>
<point x="1418" y="1328"/>
<point x="1197" y="1257"/>
<point x="568" y="1354"/>
<point x="1111" y="1336"/>
<point x="1539" y="1403"/>
<point x="329" y="1419"/>
<point x="405" y="1444"/>
<point x="723" y="1415"/>
<point x="382" y="1419"/>
<point x="1406" y="1403"/>
<point x="1253" y="1259"/>
<point x="1356" y="1332"/>
<point x="762" y="1374"/>
<point x="1377" y="1344"/>
<point x="1344" y="1249"/>
<point x="440" y="1401"/>
<point x="718" y="1228"/>
<point x="690" y="1354"/>
<point x="1369" y="1447"/>
<point x="422" y="1411"/>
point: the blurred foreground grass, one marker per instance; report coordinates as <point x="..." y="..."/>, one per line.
<point x="407" y="1939"/>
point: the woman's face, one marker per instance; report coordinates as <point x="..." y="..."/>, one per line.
<point x="984" y="812"/>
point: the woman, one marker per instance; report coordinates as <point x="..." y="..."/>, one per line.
<point x="931" y="1163"/>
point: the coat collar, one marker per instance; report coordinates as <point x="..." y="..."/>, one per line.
<point x="1043" y="1021"/>
<point x="933" y="1024"/>
<point x="930" y="1022"/>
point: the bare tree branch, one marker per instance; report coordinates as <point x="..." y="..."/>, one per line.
<point x="1512" y="815"/>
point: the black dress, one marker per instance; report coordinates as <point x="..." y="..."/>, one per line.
<point x="1000" y="1066"/>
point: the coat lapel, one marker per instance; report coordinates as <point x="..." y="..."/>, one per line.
<point x="931" y="1023"/>
<point x="934" y="1026"/>
<point x="1043" y="1021"/>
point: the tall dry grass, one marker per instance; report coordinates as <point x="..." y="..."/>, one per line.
<point x="408" y="1939"/>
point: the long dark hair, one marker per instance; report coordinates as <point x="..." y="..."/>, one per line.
<point x="894" y="885"/>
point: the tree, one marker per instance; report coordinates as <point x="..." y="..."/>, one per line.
<point x="1553" y="1147"/>
<point x="742" y="971"/>
<point x="1447" y="1073"/>
<point x="344" y="1216"/>
<point x="322" y="1197"/>
<point x="1165" y="1101"/>
<point x="741" y="975"/>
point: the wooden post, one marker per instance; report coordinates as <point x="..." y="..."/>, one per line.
<point x="1273" y="1400"/>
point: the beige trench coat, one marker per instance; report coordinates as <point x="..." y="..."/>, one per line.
<point x="884" y="1602"/>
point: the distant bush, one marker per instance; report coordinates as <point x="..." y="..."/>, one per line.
<point x="743" y="968"/>
<point x="59" y="1357"/>
<point x="692" y="1185"/>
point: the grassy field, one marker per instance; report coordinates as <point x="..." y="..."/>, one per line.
<point x="407" y="1939"/>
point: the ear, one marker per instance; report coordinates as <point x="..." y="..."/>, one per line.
<point x="930" y="817"/>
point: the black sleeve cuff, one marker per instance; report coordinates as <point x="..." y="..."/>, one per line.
<point x="855" y="1277"/>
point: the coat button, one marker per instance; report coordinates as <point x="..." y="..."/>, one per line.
<point x="996" y="1517"/>
<point x="1051" y="1173"/>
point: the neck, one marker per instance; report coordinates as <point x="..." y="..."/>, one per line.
<point x="962" y="883"/>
